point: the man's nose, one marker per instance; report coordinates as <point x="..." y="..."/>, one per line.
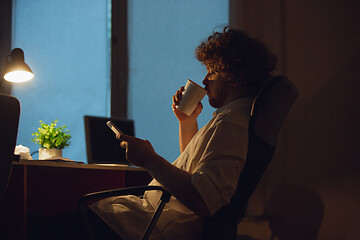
<point x="206" y="80"/>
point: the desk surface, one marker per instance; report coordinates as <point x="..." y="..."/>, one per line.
<point x="39" y="189"/>
<point x="50" y="163"/>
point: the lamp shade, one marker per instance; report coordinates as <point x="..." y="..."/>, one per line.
<point x="16" y="70"/>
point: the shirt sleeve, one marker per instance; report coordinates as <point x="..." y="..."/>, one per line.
<point x="222" y="161"/>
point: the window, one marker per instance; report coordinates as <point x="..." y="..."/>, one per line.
<point x="162" y="38"/>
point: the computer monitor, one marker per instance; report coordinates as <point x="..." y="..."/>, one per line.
<point x="102" y="147"/>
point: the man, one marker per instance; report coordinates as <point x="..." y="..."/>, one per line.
<point x="204" y="177"/>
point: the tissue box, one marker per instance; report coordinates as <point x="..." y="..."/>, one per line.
<point x="23" y="151"/>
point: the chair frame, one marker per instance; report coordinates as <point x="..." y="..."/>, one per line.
<point x="137" y="191"/>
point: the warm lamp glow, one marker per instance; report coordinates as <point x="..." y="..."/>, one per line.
<point x="18" y="76"/>
<point x="16" y="70"/>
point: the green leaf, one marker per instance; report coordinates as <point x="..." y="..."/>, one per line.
<point x="51" y="136"/>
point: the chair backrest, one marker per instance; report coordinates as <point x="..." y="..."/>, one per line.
<point x="9" y="122"/>
<point x="269" y="110"/>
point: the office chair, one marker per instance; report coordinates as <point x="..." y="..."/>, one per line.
<point x="9" y="122"/>
<point x="268" y="112"/>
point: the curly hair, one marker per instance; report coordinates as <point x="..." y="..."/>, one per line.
<point x="233" y="51"/>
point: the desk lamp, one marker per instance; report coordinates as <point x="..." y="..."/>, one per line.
<point x="16" y="70"/>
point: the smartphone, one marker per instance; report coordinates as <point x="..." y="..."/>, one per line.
<point x="114" y="128"/>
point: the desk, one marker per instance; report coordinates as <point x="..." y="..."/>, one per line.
<point x="40" y="189"/>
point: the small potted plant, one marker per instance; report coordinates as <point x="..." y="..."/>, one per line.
<point x="52" y="139"/>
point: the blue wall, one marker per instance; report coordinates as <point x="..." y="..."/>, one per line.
<point x="66" y="44"/>
<point x="163" y="35"/>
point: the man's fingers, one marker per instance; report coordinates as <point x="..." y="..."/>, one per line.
<point x="123" y="144"/>
<point x="124" y="140"/>
<point x="123" y="137"/>
<point x="177" y="97"/>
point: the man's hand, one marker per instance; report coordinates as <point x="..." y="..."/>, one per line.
<point x="139" y="152"/>
<point x="187" y="124"/>
<point x="175" y="180"/>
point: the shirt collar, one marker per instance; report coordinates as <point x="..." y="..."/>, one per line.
<point x="238" y="103"/>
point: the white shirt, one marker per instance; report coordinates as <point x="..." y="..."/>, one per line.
<point x="215" y="157"/>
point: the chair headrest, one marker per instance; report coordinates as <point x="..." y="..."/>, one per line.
<point x="271" y="106"/>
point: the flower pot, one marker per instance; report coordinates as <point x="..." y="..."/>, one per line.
<point x="45" y="153"/>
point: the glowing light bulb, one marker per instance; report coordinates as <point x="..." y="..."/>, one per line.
<point x="19" y="76"/>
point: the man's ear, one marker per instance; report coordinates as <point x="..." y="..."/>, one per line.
<point x="238" y="79"/>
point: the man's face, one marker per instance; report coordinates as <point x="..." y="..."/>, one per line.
<point x="218" y="86"/>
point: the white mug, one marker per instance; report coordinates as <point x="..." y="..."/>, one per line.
<point x="191" y="96"/>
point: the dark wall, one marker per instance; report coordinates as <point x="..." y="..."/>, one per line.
<point x="318" y="46"/>
<point x="5" y="40"/>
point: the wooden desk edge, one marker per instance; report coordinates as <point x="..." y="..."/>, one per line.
<point x="78" y="165"/>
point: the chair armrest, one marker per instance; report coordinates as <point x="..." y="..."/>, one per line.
<point x="138" y="191"/>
